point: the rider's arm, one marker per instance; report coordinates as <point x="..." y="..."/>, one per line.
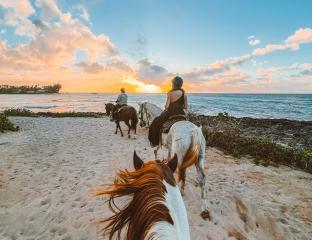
<point x="118" y="99"/>
<point x="168" y="100"/>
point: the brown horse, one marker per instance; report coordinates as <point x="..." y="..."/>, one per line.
<point x="125" y="114"/>
<point x="109" y="108"/>
<point x="155" y="210"/>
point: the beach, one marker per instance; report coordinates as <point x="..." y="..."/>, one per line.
<point x="49" y="169"/>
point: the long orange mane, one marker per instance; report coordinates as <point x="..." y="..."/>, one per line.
<point x="147" y="205"/>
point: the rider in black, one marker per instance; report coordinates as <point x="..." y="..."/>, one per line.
<point x="175" y="105"/>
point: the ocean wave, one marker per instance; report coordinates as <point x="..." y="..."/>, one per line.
<point x="40" y="107"/>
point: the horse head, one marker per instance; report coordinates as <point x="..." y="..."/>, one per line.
<point x="150" y="186"/>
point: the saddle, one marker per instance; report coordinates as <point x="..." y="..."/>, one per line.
<point x="172" y="120"/>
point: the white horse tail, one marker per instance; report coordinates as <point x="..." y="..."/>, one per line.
<point x="192" y="154"/>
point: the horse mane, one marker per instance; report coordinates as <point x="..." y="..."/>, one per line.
<point x="147" y="205"/>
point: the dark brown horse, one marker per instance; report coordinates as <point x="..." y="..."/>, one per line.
<point x="128" y="115"/>
<point x="109" y="107"/>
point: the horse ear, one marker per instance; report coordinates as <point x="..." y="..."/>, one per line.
<point x="173" y="163"/>
<point x="137" y="161"/>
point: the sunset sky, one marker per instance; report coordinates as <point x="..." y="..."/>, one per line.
<point x="220" y="46"/>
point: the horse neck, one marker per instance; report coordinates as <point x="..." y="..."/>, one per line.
<point x="148" y="213"/>
<point x="153" y="110"/>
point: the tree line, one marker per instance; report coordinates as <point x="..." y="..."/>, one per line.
<point x="8" y="89"/>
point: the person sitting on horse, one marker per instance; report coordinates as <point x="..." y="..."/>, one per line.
<point x="122" y="99"/>
<point x="176" y="104"/>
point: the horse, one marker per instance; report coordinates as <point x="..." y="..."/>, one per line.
<point x="150" y="111"/>
<point x="109" y="108"/>
<point x="156" y="209"/>
<point x="125" y="114"/>
<point x="187" y="141"/>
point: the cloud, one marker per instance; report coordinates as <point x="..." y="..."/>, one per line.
<point x="253" y="41"/>
<point x="16" y="14"/>
<point x="113" y="64"/>
<point x="302" y="35"/>
<point x="150" y="72"/>
<point x="49" y="9"/>
<point x="285" y="73"/>
<point x="293" y="42"/>
<point x="141" y="40"/>
<point x="204" y="72"/>
<point x="92" y="68"/>
<point x="83" y="12"/>
<point x="50" y="52"/>
<point x="3" y="31"/>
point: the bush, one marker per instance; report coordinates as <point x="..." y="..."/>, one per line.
<point x="224" y="132"/>
<point x="17" y="112"/>
<point x="6" y="125"/>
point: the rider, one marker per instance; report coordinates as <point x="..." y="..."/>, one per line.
<point x="122" y="99"/>
<point x="176" y="104"/>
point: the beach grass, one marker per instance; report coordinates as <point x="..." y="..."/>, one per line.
<point x="6" y="124"/>
<point x="224" y="132"/>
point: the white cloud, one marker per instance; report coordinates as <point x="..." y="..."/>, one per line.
<point x="83" y="12"/>
<point x="16" y="13"/>
<point x="302" y="35"/>
<point x="3" y="31"/>
<point x="49" y="9"/>
<point x="253" y="41"/>
<point x="293" y="42"/>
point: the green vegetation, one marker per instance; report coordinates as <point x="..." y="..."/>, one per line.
<point x="6" y="125"/>
<point x="17" y="112"/>
<point x="235" y="136"/>
<point x="225" y="132"/>
<point x="35" y="89"/>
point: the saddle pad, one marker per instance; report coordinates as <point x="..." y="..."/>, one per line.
<point x="168" y="124"/>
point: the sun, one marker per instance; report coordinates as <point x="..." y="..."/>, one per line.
<point x="149" y="88"/>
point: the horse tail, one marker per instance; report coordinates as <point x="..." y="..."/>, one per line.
<point x="134" y="119"/>
<point x="192" y="154"/>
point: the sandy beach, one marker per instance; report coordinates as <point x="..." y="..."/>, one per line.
<point x="49" y="167"/>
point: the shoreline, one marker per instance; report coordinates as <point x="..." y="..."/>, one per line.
<point x="51" y="165"/>
<point x="268" y="141"/>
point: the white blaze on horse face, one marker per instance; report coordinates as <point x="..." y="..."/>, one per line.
<point x="180" y="228"/>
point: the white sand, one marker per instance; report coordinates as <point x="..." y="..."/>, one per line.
<point x="48" y="168"/>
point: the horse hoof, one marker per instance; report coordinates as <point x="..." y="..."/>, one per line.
<point x="115" y="132"/>
<point x="129" y="136"/>
<point x="205" y="215"/>
<point x="183" y="193"/>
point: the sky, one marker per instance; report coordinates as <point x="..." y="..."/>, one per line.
<point x="223" y="46"/>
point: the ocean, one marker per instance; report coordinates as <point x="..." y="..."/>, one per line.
<point x="289" y="106"/>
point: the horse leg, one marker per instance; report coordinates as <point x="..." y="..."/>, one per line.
<point x="118" y="125"/>
<point x="129" y="128"/>
<point x="156" y="151"/>
<point x="201" y="178"/>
